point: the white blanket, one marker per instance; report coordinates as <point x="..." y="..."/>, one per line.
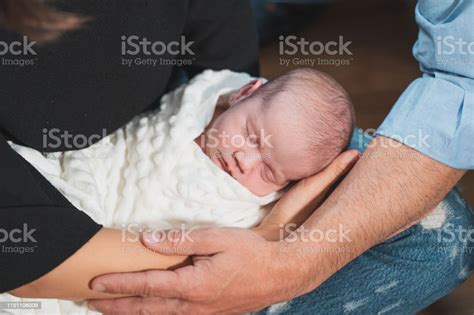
<point x="151" y="173"/>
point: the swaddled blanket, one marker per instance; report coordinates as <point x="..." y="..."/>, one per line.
<point x="152" y="174"/>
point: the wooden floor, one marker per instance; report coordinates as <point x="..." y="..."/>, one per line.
<point x="382" y="33"/>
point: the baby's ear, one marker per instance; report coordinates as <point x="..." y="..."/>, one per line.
<point x="245" y="91"/>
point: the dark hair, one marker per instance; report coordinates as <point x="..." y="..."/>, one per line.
<point x="37" y="20"/>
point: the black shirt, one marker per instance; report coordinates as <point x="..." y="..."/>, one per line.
<point x="79" y="88"/>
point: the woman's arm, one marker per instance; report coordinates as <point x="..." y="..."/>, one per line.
<point x="52" y="228"/>
<point x="107" y="252"/>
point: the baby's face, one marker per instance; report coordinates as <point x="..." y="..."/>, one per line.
<point x="251" y="142"/>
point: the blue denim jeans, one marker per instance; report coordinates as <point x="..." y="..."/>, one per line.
<point x="402" y="275"/>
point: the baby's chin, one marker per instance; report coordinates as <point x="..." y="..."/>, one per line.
<point x="254" y="188"/>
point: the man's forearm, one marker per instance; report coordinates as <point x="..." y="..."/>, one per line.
<point x="389" y="189"/>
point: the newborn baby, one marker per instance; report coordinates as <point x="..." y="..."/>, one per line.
<point x="172" y="166"/>
<point x="281" y="131"/>
<point x="215" y="154"/>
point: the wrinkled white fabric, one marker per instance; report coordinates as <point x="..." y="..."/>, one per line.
<point x="151" y="173"/>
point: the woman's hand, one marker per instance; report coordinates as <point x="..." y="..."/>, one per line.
<point x="304" y="198"/>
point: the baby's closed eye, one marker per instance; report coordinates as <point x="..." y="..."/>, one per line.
<point x="267" y="174"/>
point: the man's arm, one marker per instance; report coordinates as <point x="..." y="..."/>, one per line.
<point x="393" y="186"/>
<point x="389" y="189"/>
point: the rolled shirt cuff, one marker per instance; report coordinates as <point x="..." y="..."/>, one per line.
<point x="435" y="117"/>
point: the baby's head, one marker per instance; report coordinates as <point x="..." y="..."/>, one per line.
<point x="281" y="131"/>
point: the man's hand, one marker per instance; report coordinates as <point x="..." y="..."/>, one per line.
<point x="237" y="270"/>
<point x="232" y="270"/>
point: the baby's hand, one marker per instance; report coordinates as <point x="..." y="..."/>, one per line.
<point x="304" y="198"/>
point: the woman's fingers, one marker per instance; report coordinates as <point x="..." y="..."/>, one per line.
<point x="306" y="195"/>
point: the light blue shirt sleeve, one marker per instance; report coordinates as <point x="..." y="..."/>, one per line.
<point x="435" y="114"/>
